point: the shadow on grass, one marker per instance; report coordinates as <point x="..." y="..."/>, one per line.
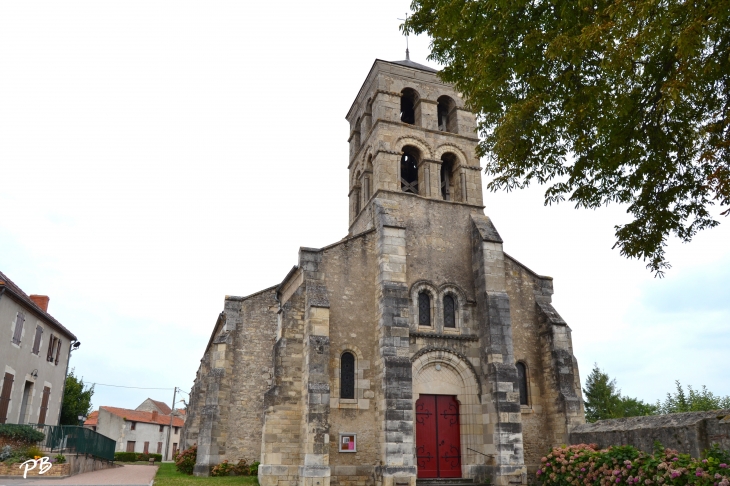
<point x="167" y="475"/>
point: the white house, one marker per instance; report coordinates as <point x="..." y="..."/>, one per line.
<point x="138" y="430"/>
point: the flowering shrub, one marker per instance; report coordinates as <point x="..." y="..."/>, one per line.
<point x="584" y="465"/>
<point x="222" y="469"/>
<point x="185" y="461"/>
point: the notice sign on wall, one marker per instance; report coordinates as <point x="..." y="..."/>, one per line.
<point x="348" y="442"/>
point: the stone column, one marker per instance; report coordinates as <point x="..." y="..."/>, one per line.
<point x="501" y="397"/>
<point x="398" y="466"/>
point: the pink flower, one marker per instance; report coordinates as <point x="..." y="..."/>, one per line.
<point x="539" y="471"/>
<point x="723" y="465"/>
<point x="618" y="480"/>
<point x="544" y="459"/>
<point x="675" y="459"/>
<point x="582" y="469"/>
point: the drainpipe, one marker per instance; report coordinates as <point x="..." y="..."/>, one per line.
<point x="63" y="390"/>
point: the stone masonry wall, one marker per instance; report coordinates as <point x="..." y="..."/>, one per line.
<point x="253" y="346"/>
<point x="689" y="433"/>
<point x="350" y="271"/>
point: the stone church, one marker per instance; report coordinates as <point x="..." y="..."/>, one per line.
<point x="413" y="348"/>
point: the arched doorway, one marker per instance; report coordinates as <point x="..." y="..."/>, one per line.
<point x="447" y="415"/>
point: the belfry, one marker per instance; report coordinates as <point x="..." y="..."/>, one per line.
<point x="414" y="348"/>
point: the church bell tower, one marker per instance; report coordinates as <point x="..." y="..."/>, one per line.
<point x="410" y="132"/>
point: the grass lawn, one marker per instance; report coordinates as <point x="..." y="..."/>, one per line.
<point x="167" y="475"/>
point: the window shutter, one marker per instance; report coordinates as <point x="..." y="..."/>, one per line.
<point x="37" y="341"/>
<point x="5" y="397"/>
<point x="130" y="446"/>
<point x="51" y="347"/>
<point x="19" y="320"/>
<point x="146" y="447"/>
<point x="44" y="405"/>
<point x="159" y="447"/>
<point x="58" y="352"/>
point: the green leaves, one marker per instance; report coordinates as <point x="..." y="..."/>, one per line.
<point x="603" y="399"/>
<point x="76" y="400"/>
<point x="694" y="401"/>
<point x="601" y="100"/>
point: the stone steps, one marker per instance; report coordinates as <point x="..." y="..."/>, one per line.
<point x="445" y="482"/>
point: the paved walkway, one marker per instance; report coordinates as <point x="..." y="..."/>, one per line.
<point x="131" y="475"/>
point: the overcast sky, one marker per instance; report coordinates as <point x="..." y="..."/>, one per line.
<point x="157" y="156"/>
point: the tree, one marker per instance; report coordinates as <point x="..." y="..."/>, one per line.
<point x="603" y="100"/>
<point x="603" y="400"/>
<point x="76" y="400"/>
<point x="695" y="401"/>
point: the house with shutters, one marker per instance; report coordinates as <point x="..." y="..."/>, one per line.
<point x="34" y="352"/>
<point x="143" y="430"/>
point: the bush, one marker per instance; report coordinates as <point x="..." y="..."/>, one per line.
<point x="253" y="470"/>
<point x="156" y="457"/>
<point x="185" y="461"/>
<point x="125" y="456"/>
<point x="625" y="465"/>
<point x="222" y="469"/>
<point x="60" y="459"/>
<point x="242" y="468"/>
<point x="33" y="452"/>
<point x="141" y="456"/>
<point x="21" y="434"/>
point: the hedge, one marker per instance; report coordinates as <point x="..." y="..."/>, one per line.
<point x="136" y="456"/>
<point x="24" y="434"/>
<point x="125" y="456"/>
<point x="584" y="465"/>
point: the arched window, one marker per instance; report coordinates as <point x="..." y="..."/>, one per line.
<point x="408" y="106"/>
<point x="409" y="170"/>
<point x="347" y="375"/>
<point x="448" y="163"/>
<point x="449" y="311"/>
<point x="446" y="111"/>
<point x="367" y="183"/>
<point x="522" y="382"/>
<point x="424" y="309"/>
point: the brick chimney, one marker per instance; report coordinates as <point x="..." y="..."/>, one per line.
<point x="154" y="415"/>
<point x="41" y="301"/>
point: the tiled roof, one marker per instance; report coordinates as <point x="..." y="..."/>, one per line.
<point x="93" y="418"/>
<point x="162" y="406"/>
<point x="144" y="417"/>
<point x="9" y="286"/>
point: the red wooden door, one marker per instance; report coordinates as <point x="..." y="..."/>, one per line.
<point x="438" y="449"/>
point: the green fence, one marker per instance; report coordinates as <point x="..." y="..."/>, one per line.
<point x="59" y="439"/>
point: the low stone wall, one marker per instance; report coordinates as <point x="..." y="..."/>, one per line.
<point x="75" y="464"/>
<point x="82" y="464"/>
<point x="16" y="470"/>
<point x="689" y="433"/>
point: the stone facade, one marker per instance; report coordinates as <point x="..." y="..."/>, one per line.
<point x="420" y="295"/>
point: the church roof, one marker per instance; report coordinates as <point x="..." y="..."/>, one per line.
<point x="415" y="65"/>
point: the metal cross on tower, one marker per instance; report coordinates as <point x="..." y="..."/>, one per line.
<point x="408" y="56"/>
